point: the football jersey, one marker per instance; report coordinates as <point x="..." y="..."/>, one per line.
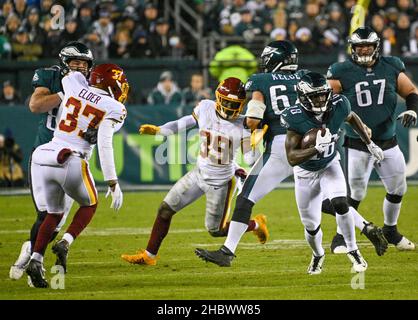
<point x="279" y="91"/>
<point x="297" y="119"/>
<point x="84" y="107"/>
<point x="49" y="78"/>
<point x="371" y="92"/>
<point x="219" y="142"/>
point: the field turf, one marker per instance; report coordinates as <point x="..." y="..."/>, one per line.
<point x="276" y="270"/>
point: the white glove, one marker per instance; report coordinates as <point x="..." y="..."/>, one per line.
<point x="376" y="151"/>
<point x="408" y="118"/>
<point x="323" y="142"/>
<point x="117" y="197"/>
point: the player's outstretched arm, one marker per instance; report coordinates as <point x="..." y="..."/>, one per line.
<point x="169" y="128"/>
<point x="296" y="155"/>
<point x="107" y="162"/>
<point x="42" y="100"/>
<point x="255" y="111"/>
<point x="408" y="91"/>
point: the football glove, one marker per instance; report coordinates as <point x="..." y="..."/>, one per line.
<point x="90" y="135"/>
<point x="241" y="173"/>
<point x="323" y="142"/>
<point x="257" y="136"/>
<point x="149" y="129"/>
<point x="376" y="151"/>
<point x="117" y="196"/>
<point x="408" y="118"/>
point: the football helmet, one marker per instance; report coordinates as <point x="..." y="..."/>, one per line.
<point x="230" y="98"/>
<point x="279" y="55"/>
<point x="364" y="36"/>
<point x="76" y="50"/>
<point x="112" y="79"/>
<point x="314" y="92"/>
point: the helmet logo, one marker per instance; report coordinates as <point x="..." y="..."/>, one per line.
<point x="117" y="74"/>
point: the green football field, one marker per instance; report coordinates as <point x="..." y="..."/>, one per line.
<point x="276" y="270"/>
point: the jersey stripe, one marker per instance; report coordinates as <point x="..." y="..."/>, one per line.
<point x="227" y="210"/>
<point x="88" y="183"/>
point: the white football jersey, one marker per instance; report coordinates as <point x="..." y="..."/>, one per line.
<point x="83" y="107"/>
<point x="220" y="141"/>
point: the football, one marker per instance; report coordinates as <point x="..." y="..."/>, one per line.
<point x="309" y="139"/>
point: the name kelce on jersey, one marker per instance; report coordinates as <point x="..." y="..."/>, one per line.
<point x="90" y="96"/>
<point x="280" y="76"/>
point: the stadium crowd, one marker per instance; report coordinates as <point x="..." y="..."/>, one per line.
<point x="137" y="29"/>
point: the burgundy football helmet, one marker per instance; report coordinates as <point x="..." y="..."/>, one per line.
<point x="230" y="98"/>
<point x="111" y="78"/>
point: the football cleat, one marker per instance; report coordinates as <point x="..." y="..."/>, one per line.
<point x="359" y="264"/>
<point x="338" y="245"/>
<point x="60" y="249"/>
<point x="140" y="258"/>
<point x="393" y="236"/>
<point x="315" y="267"/>
<point x="376" y="237"/>
<point x="222" y="257"/>
<point x="36" y="272"/>
<point x="262" y="232"/>
<point x="19" y="267"/>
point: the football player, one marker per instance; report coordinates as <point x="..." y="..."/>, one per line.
<point x="62" y="164"/>
<point x="273" y="90"/>
<point x="317" y="170"/>
<point x="372" y="83"/>
<point x="221" y="133"/>
<point x="46" y="100"/>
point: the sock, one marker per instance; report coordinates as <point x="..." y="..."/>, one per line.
<point x="359" y="221"/>
<point x="346" y="225"/>
<point x="45" y="232"/>
<point x="315" y="241"/>
<point x="81" y="219"/>
<point x="150" y="254"/>
<point x="252" y="225"/>
<point x="391" y="212"/>
<point x="236" y="231"/>
<point x="38" y="257"/>
<point x="68" y="237"/>
<point x="158" y="233"/>
<point x="40" y="217"/>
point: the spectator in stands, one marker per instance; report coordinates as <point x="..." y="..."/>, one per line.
<point x="166" y="92"/>
<point x="9" y="95"/>
<point x="304" y="41"/>
<point x="128" y="21"/>
<point x="280" y="19"/>
<point x="120" y="47"/>
<point x="312" y="10"/>
<point x="405" y="6"/>
<point x="388" y="41"/>
<point x="11" y="156"/>
<point x="230" y="16"/>
<point x="267" y="13"/>
<point x="5" y="46"/>
<point x="195" y="91"/>
<point x="378" y="24"/>
<point x="140" y="45"/>
<point x="377" y="7"/>
<point x="20" y="8"/>
<point x="329" y="43"/>
<point x="35" y="32"/>
<point x="248" y="27"/>
<point x="85" y="17"/>
<point x="45" y="11"/>
<point x="104" y="27"/>
<point x="12" y="25"/>
<point x="413" y="42"/>
<point x="70" y="33"/>
<point x="6" y="10"/>
<point x="93" y="41"/>
<point x="337" y="19"/>
<point x="292" y="28"/>
<point x="392" y="15"/>
<point x="52" y="46"/>
<point x="23" y="49"/>
<point x="402" y="34"/>
<point x="149" y="21"/>
<point x="162" y="43"/>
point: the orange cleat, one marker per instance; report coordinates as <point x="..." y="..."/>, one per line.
<point x="262" y="232"/>
<point x="140" y="258"/>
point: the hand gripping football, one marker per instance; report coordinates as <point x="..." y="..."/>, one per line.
<point x="309" y="139"/>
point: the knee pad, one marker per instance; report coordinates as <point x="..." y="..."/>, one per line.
<point x="353" y="203"/>
<point x="165" y="212"/>
<point x="340" y="205"/>
<point x="243" y="209"/>
<point x="314" y="232"/>
<point x="393" y="198"/>
<point x="327" y="207"/>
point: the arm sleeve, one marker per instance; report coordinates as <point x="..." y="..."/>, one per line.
<point x="181" y="124"/>
<point x="105" y="146"/>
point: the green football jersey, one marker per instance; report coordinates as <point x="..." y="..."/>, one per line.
<point x="372" y="93"/>
<point x="297" y="119"/>
<point x="49" y="78"/>
<point x="279" y="91"/>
